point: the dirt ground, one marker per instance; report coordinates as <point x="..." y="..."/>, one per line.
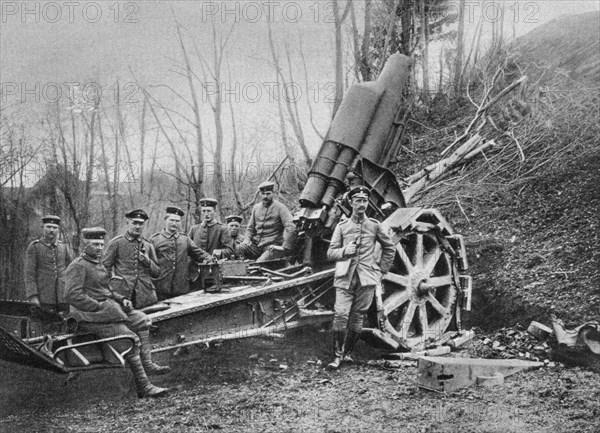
<point x="279" y="385"/>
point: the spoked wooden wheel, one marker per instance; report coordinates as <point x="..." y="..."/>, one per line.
<point x="419" y="290"/>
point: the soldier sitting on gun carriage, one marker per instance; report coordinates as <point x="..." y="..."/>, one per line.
<point x="100" y="311"/>
<point x="271" y="230"/>
<point x="234" y="223"/>
<point x="211" y="235"/>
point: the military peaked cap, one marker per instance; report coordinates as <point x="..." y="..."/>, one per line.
<point x="267" y="185"/>
<point x="207" y="201"/>
<point x="137" y="215"/>
<point x="359" y="191"/>
<point x="51" y="219"/>
<point x="230" y="218"/>
<point x="93" y="233"/>
<point x="175" y="211"/>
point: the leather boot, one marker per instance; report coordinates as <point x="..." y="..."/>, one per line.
<point x="149" y="366"/>
<point x="338" y="350"/>
<point x="142" y="383"/>
<point x="349" y="343"/>
<point x="347" y="359"/>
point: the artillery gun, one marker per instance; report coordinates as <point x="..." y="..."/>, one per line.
<point x="423" y="294"/>
<point x="421" y="299"/>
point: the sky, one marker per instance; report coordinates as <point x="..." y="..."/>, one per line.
<point x="46" y="47"/>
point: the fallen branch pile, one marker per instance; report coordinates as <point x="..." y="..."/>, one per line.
<point x="523" y="127"/>
<point x="474" y="145"/>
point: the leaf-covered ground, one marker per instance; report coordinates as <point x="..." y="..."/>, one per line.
<point x="273" y="386"/>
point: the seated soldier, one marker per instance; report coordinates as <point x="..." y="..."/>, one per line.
<point x="270" y="231"/>
<point x="233" y="223"/>
<point x="100" y="311"/>
<point x="211" y="235"/>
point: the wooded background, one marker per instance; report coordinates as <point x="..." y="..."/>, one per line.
<point x="89" y="160"/>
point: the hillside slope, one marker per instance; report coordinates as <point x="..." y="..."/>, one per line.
<point x="538" y="252"/>
<point x="533" y="230"/>
<point x="569" y="44"/>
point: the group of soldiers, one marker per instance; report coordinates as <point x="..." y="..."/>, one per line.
<point x="104" y="288"/>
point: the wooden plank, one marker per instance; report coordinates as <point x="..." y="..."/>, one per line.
<point x="198" y="301"/>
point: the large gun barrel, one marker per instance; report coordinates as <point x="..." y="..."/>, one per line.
<point x="359" y="140"/>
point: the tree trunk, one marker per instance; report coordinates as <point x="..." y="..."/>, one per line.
<point x="142" y="145"/>
<point x="458" y="61"/>
<point x="218" y="108"/>
<point x="366" y="68"/>
<point x="406" y="18"/>
<point x="338" y="20"/>
<point x="339" y="72"/>
<point x="284" y="137"/>
<point x="199" y="189"/>
<point x="424" y="52"/>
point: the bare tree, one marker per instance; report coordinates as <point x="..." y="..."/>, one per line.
<point x="424" y="51"/>
<point x="216" y="103"/>
<point x="16" y="153"/>
<point x="389" y="33"/>
<point x="290" y="101"/>
<point x="310" y="110"/>
<point x="474" y="46"/>
<point x="234" y="146"/>
<point x="458" y="61"/>
<point x="111" y="189"/>
<point x="338" y="20"/>
<point x="198" y="187"/>
<point x="142" y="144"/>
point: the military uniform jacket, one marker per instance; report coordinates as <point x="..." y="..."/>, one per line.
<point x="122" y="258"/>
<point x="367" y="233"/>
<point x="271" y="225"/>
<point x="172" y="250"/>
<point x="45" y="266"/>
<point x="87" y="291"/>
<point x="212" y="237"/>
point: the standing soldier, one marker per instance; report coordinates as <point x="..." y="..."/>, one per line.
<point x="357" y="271"/>
<point x="106" y="314"/>
<point x="211" y="235"/>
<point x="45" y="262"/>
<point x="133" y="258"/>
<point x="270" y="231"/>
<point x="233" y="223"/>
<point x="172" y="249"/>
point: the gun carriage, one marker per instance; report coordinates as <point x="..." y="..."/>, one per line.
<point x="420" y="300"/>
